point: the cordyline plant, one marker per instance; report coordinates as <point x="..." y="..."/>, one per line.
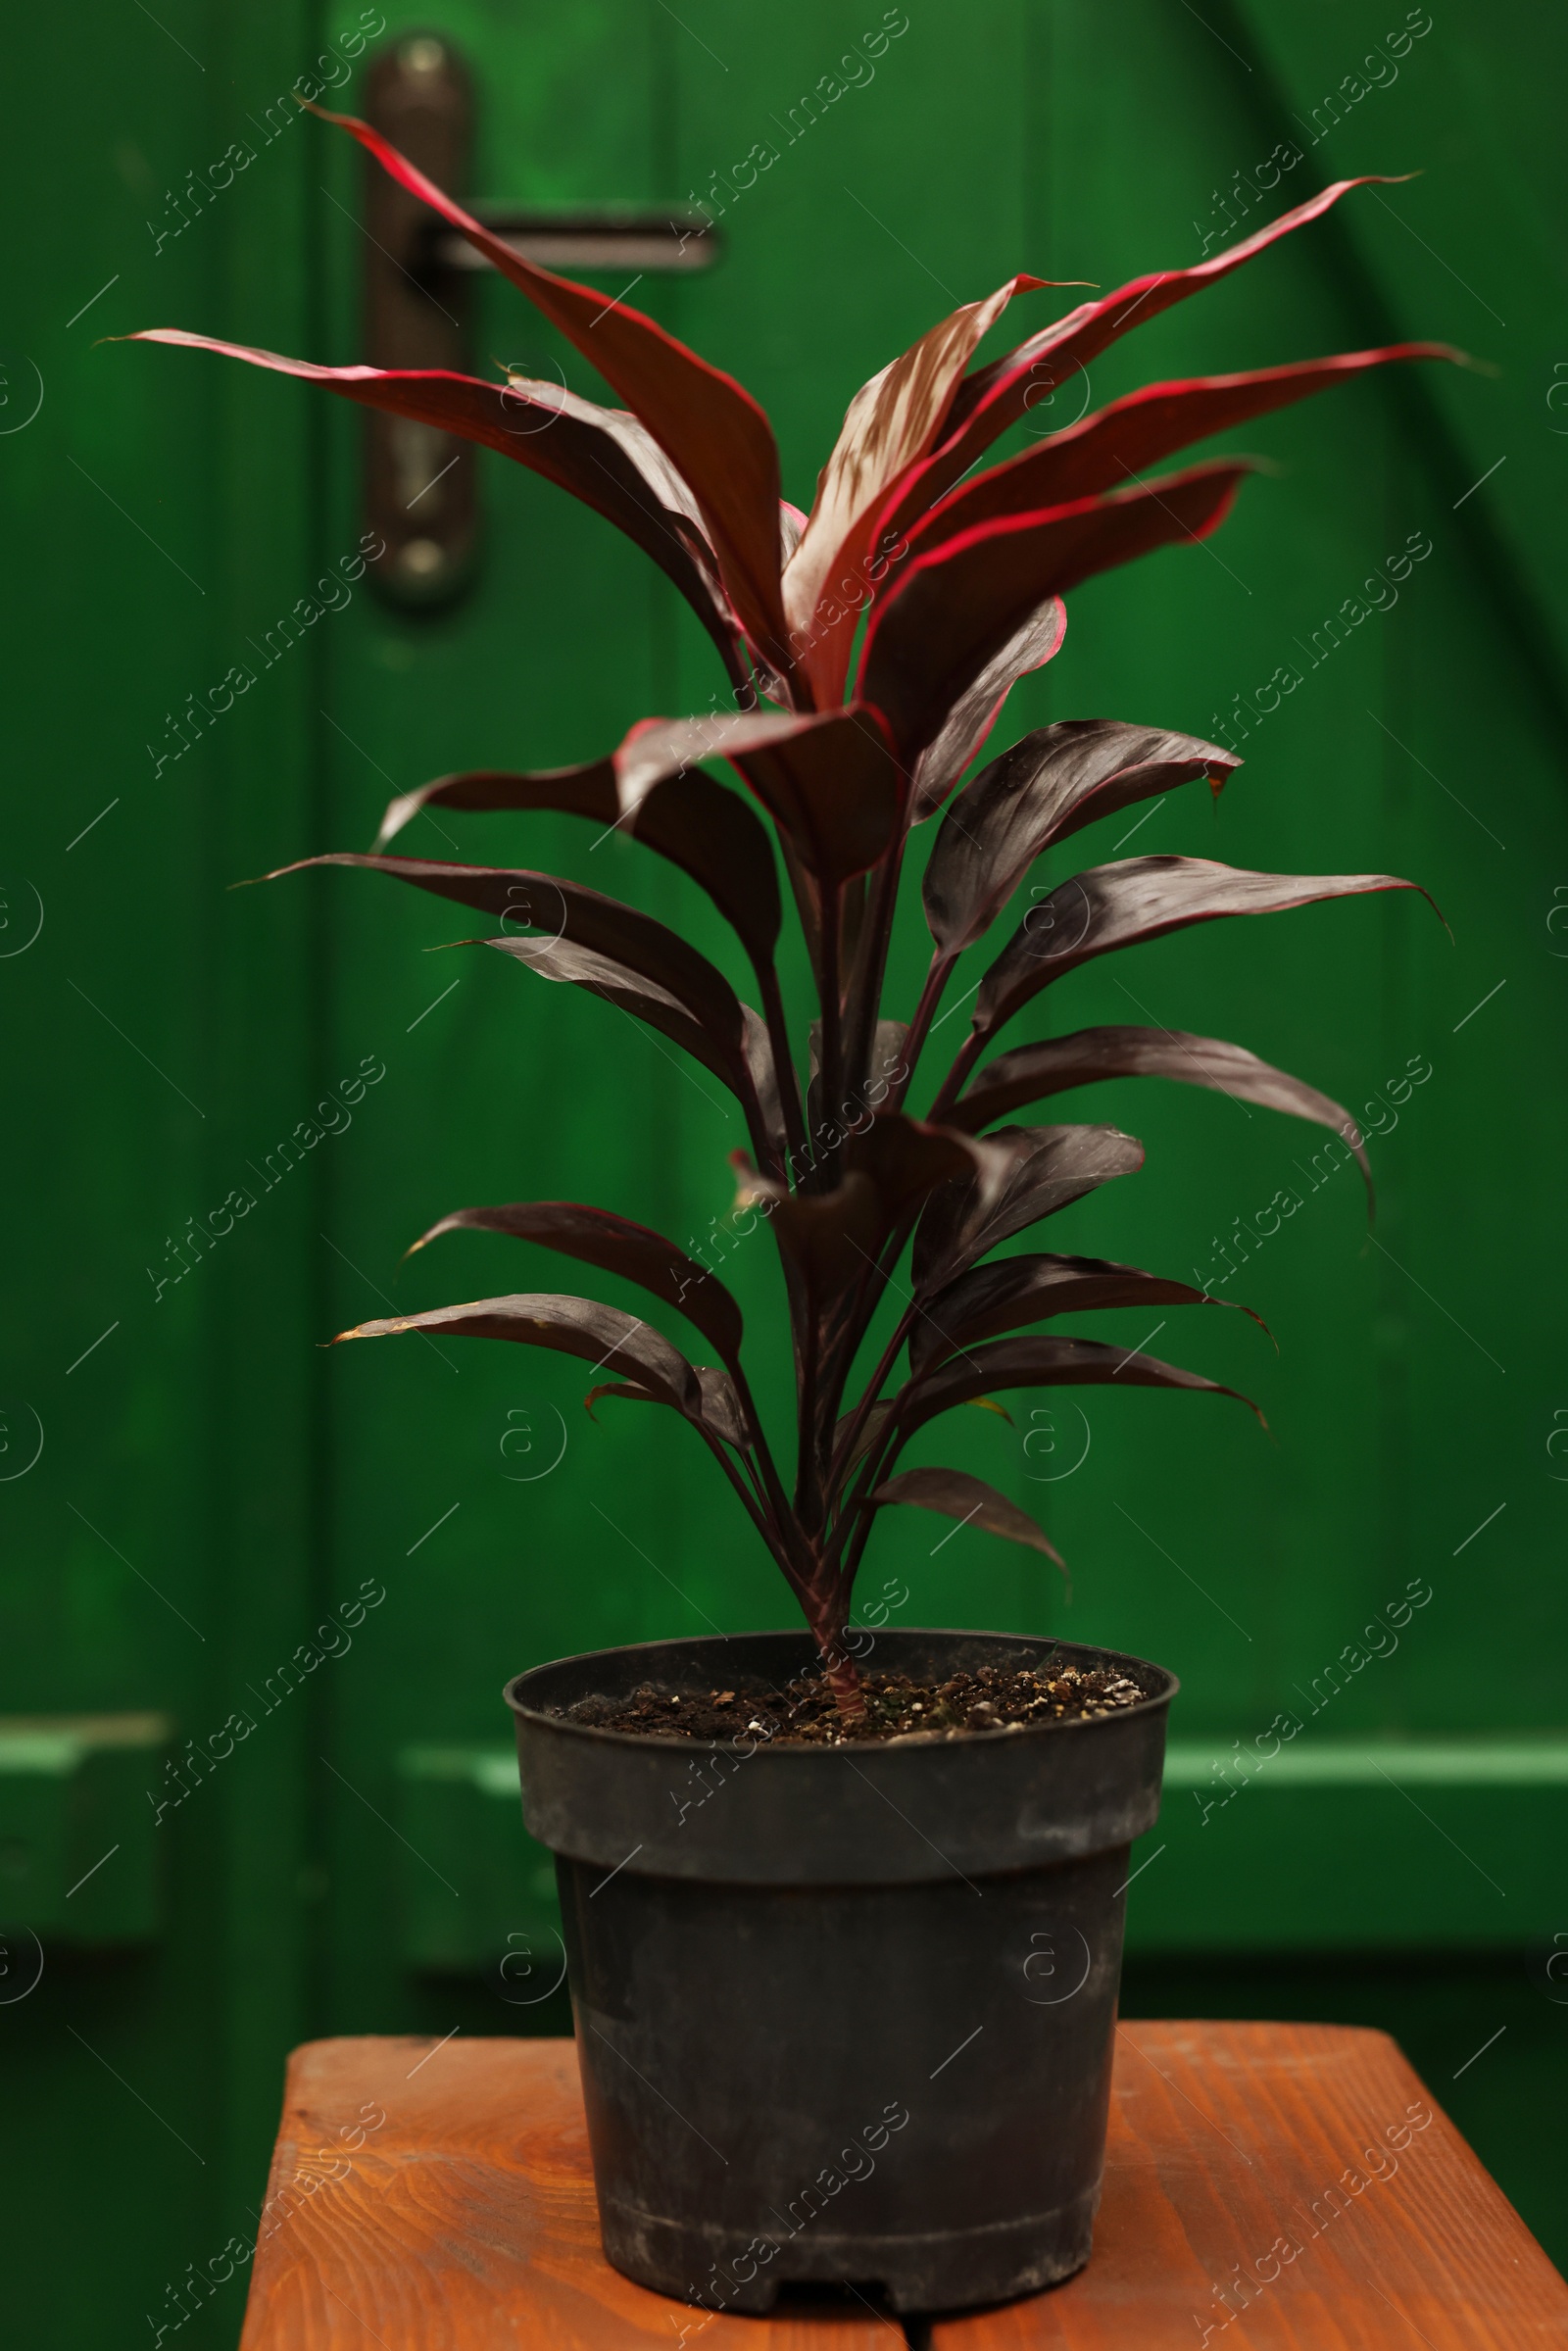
<point x="870" y="646"/>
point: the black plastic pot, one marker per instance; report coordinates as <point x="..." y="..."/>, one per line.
<point x="843" y="2013"/>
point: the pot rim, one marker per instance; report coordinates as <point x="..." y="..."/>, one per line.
<point x="653" y="1741"/>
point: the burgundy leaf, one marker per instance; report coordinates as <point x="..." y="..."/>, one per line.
<point x="615" y="1244"/>
<point x="602" y="1335"/>
<point x="886" y="1169"/>
<point x="1040" y="1363"/>
<point x="699" y="825"/>
<point x="1010" y="1293"/>
<point x="641" y="999"/>
<point x="969" y="1499"/>
<point x="602" y="456"/>
<point x="828" y="779"/>
<point x="952" y="611"/>
<point x="1049" y="785"/>
<point x="969" y="722"/>
<point x="1050" y="1169"/>
<point x="1031" y="1072"/>
<point x="707" y="425"/>
<point x="997" y="396"/>
<point x="891" y="423"/>
<point x="1107" y="450"/>
<point x="721" y="1413"/>
<point x="1138" y="899"/>
<point x="567" y="910"/>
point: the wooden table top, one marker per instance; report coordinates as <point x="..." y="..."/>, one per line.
<point x="1284" y="2188"/>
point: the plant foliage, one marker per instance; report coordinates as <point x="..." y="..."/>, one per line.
<point x="870" y="646"/>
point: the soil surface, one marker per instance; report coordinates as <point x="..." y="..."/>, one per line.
<point x="898" y="1711"/>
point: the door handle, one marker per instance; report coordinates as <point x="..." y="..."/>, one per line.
<point x="421" y="485"/>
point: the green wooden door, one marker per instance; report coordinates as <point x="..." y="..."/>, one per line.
<point x="243" y="1107"/>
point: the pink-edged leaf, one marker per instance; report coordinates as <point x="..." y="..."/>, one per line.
<point x="602" y="457"/>
<point x="997" y="396"/>
<point x="952" y="611"/>
<point x="707" y="425"/>
<point x="1032" y="1072"/>
<point x="1137" y="899"/>
<point x="828" y="779"/>
<point x="1040" y="1363"/>
<point x="1107" y="450"/>
<point x="963" y="733"/>
<point x="1010" y="1292"/>
<point x="1049" y="785"/>
<point x="889" y="423"/>
<point x="970" y="1501"/>
<point x="1050" y="1167"/>
<point x="699" y="825"/>
<point x="598" y="1237"/>
<point x="567" y="909"/>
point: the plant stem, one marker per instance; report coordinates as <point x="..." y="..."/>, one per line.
<point x="952" y="1083"/>
<point x="936" y="980"/>
<point x="789" y="1088"/>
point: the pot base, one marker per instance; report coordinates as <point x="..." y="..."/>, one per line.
<point x="935" y="2270"/>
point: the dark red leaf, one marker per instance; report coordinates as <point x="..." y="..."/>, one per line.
<point x="969" y="1499"/>
<point x="602" y="456"/>
<point x="952" y="611"/>
<point x="1107" y="450"/>
<point x="1031" y="1072"/>
<point x="572" y="1326"/>
<point x="963" y="731"/>
<point x="1040" y="1363"/>
<point x="1049" y="785"/>
<point x="615" y="1244"/>
<point x="567" y="910"/>
<point x="710" y="428"/>
<point x="699" y="825"/>
<point x="828" y="779"/>
<point x="1010" y="1293"/>
<point x="1138" y="899"/>
<point x="1050" y="1169"/>
<point x="993" y="397"/>
<point x="559" y="959"/>
<point x="721" y="1413"/>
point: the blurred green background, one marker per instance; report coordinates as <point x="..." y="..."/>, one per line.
<point x="189" y="1488"/>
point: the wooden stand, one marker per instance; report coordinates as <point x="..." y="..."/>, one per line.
<point x="1286" y="2187"/>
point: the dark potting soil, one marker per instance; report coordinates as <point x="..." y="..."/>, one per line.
<point x="897" y="1710"/>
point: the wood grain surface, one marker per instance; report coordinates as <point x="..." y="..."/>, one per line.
<point x="437" y="2196"/>
<point x="1256" y="2187"/>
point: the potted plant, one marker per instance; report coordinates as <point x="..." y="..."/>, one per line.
<point x="848" y="2015"/>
